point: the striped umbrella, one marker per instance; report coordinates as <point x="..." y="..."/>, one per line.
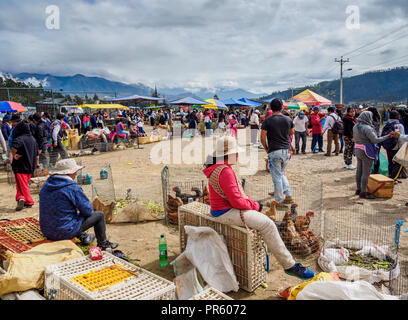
<point x="10" y="106"/>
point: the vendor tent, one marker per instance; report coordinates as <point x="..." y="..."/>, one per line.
<point x="235" y="103"/>
<point x="10" y="106"/>
<point x="250" y="103"/>
<point x="102" y="106"/>
<point x="188" y="101"/>
<point x="295" y="106"/>
<point x="134" y="98"/>
<point x="214" y="104"/>
<point x="311" y="98"/>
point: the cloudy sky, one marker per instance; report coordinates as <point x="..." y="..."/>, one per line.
<point x="259" y="45"/>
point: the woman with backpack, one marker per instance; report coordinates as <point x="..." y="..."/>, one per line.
<point x="349" y="121"/>
<point x="366" y="149"/>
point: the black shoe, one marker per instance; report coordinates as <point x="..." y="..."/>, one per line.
<point x="107" y="245"/>
<point x="366" y="195"/>
<point x="358" y="192"/>
<point x="28" y="206"/>
<point x="86" y="239"/>
<point x="303" y="152"/>
<point x="20" y="205"/>
<point x="406" y="204"/>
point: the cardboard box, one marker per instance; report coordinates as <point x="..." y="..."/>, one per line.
<point x="380" y="186"/>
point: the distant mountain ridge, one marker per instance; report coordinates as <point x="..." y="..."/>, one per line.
<point x="376" y="86"/>
<point x="80" y="82"/>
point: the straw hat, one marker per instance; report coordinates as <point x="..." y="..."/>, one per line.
<point x="66" y="166"/>
<point x="225" y="146"/>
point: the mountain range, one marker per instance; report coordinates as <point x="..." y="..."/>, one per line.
<point x="383" y="86"/>
<point x="377" y="86"/>
<point x="80" y="83"/>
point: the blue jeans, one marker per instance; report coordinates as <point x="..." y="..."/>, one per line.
<point x="278" y="160"/>
<point x="317" y="139"/>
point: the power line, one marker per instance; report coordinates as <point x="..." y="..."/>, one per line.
<point x="383" y="45"/>
<point x="383" y="37"/>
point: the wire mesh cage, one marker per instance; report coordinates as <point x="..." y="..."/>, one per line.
<point x="399" y="285"/>
<point x="102" y="184"/>
<point x="364" y="236"/>
<point x="300" y="224"/>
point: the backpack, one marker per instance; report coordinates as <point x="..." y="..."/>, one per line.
<point x="338" y="127"/>
<point x="390" y="143"/>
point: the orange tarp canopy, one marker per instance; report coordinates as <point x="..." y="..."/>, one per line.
<point x="311" y="98"/>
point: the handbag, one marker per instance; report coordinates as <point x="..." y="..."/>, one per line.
<point x="402" y="155"/>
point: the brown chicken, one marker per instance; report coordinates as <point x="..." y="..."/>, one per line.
<point x="302" y="222"/>
<point x="173" y="204"/>
<point x="271" y="213"/>
<point x="292" y="239"/>
<point x="312" y="241"/>
<point x="206" y="197"/>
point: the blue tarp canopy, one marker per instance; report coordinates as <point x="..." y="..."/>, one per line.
<point x="135" y="97"/>
<point x="188" y="101"/>
<point x="251" y="103"/>
<point x="235" y="103"/>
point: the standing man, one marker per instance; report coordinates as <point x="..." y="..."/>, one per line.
<point x="349" y="121"/>
<point x="93" y="119"/>
<point x="254" y="124"/>
<point x="56" y="136"/>
<point x="25" y="160"/>
<point x="300" y="123"/>
<point x="6" y="127"/>
<point x="275" y="140"/>
<point x="42" y="139"/>
<point x="332" y="135"/>
<point x="316" y="119"/>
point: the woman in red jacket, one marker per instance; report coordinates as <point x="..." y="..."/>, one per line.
<point x="316" y="119"/>
<point x="230" y="205"/>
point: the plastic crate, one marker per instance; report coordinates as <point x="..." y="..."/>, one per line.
<point x="210" y="294"/>
<point x="140" y="285"/>
<point x="20" y="240"/>
<point x="247" y="253"/>
<point x="104" y="147"/>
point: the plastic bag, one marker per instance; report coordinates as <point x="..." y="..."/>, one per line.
<point x="208" y="253"/>
<point x="383" y="165"/>
<point x="187" y="285"/>
<point x="340" y="290"/>
<point x="402" y="155"/>
<point x="340" y="257"/>
<point x="291" y="293"/>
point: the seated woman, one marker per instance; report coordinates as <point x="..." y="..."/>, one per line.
<point x="119" y="131"/>
<point x="65" y="210"/>
<point x="230" y="205"/>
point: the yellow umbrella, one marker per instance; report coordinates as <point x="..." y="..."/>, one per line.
<point x="214" y="104"/>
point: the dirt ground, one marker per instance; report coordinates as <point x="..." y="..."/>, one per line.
<point x="133" y="168"/>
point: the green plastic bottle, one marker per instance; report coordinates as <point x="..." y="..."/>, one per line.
<point x="163" y="251"/>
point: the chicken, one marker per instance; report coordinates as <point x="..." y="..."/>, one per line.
<point x="206" y="197"/>
<point x="302" y="222"/>
<point x="271" y="213"/>
<point x="312" y="241"/>
<point x="173" y="204"/>
<point x="292" y="239"/>
<point x="198" y="192"/>
<point x="293" y="212"/>
<point x="183" y="196"/>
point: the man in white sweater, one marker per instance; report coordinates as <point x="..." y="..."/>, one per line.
<point x="254" y="124"/>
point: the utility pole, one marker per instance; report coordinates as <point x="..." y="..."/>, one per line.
<point x="341" y="61"/>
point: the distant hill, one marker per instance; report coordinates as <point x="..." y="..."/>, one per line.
<point x="80" y="82"/>
<point x="377" y="86"/>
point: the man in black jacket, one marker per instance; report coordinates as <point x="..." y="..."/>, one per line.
<point x="42" y="139"/>
<point x="25" y="160"/>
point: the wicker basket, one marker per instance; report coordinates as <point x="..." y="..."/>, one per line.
<point x="140" y="285"/>
<point x="104" y="147"/>
<point x="211" y="294"/>
<point x="247" y="254"/>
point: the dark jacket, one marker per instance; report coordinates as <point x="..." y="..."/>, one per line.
<point x="5" y="130"/>
<point x="348" y="123"/>
<point x="63" y="208"/>
<point x="93" y="121"/>
<point x="26" y="146"/>
<point x="42" y="134"/>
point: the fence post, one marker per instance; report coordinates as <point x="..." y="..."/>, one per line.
<point x="164" y="178"/>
